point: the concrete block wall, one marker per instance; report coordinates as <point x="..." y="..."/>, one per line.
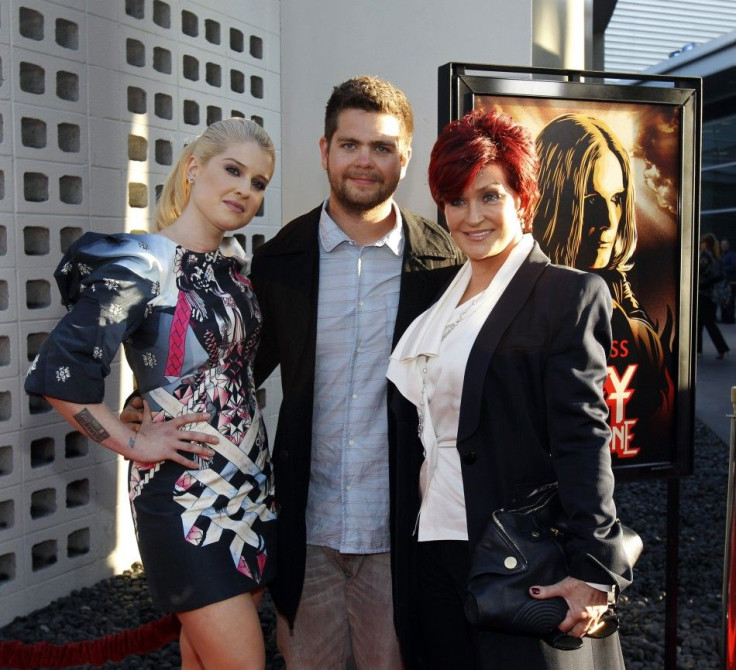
<point x="96" y="100"/>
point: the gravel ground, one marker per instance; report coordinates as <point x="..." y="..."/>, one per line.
<point x="111" y="606"/>
<point x="122" y="602"/>
<point x="643" y="506"/>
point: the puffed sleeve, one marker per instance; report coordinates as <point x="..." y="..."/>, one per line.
<point x="106" y="283"/>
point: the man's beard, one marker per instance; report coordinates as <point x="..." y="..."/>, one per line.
<point x="358" y="202"/>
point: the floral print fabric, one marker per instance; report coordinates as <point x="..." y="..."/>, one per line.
<point x="190" y="326"/>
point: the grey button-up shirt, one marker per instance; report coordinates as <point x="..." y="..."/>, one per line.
<point x="348" y="503"/>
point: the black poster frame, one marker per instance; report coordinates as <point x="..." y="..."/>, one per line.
<point x="464" y="86"/>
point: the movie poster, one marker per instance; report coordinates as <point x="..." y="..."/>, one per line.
<point x="609" y="183"/>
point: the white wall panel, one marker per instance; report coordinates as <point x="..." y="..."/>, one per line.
<point x="94" y="96"/>
<point x="404" y="42"/>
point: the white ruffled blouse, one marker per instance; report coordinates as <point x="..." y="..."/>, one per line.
<point x="428" y="366"/>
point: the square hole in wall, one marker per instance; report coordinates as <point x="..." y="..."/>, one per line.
<point x="164" y="152"/>
<point x="43" y="503"/>
<point x="38" y="405"/>
<point x="237" y="81"/>
<point x="7" y="514"/>
<point x="163" y="106"/>
<point x="162" y="60"/>
<point x="257" y="119"/>
<point x="38" y="294"/>
<point x="32" y="78"/>
<point x="67" y="235"/>
<point x="135" y="52"/>
<point x="161" y="14"/>
<point x="213" y="114"/>
<point x="33" y="344"/>
<point x="44" y="554"/>
<point x="33" y="132"/>
<point x="36" y="241"/>
<point x="43" y="452"/>
<point x="70" y="190"/>
<point x="256" y="241"/>
<point x="236" y="113"/>
<point x="237" y="40"/>
<point x="3" y="241"/>
<point x="190" y="66"/>
<point x="3" y="295"/>
<point x="4" y="350"/>
<point x="67" y="86"/>
<point x="212" y="31"/>
<point x="137" y="148"/>
<point x="136" y="100"/>
<point x="256" y="47"/>
<point x="69" y="137"/>
<point x="135" y="8"/>
<point x="137" y="195"/>
<point x="67" y="34"/>
<point x="2" y="185"/>
<point x="191" y="113"/>
<point x="256" y="87"/>
<point x="30" y="23"/>
<point x="77" y="544"/>
<point x="7" y="568"/>
<point x="6" y="407"/>
<point x="35" y="187"/>
<point x="261" y="209"/>
<point x="213" y="74"/>
<point x="76" y="445"/>
<point x="189" y="24"/>
<point x="77" y="493"/>
<point x="6" y="460"/>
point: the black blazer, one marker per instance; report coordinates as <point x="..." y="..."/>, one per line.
<point x="285" y="276"/>
<point x="532" y="412"/>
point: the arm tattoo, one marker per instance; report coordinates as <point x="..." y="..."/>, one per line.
<point x="91" y="426"/>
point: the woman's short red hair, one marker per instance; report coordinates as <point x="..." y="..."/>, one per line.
<point x="467" y="145"/>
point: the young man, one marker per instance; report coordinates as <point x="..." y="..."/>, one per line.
<point x="337" y="287"/>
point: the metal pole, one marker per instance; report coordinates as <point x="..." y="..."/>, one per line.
<point x="728" y="631"/>
<point x="673" y="537"/>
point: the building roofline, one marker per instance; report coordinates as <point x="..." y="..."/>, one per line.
<point x="702" y="60"/>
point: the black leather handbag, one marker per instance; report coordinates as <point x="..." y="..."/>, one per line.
<point x="518" y="549"/>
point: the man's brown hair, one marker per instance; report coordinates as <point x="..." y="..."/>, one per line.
<point x="370" y="94"/>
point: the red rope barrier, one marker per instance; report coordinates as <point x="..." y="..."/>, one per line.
<point x="114" y="647"/>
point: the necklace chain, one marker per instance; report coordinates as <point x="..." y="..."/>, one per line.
<point x="420" y="410"/>
<point x="423" y="360"/>
<point x="451" y="325"/>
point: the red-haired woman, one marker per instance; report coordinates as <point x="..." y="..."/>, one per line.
<point x="500" y="391"/>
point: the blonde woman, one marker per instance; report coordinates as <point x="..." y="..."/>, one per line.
<point x="201" y="498"/>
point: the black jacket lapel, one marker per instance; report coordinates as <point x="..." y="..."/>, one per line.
<point x="508" y="306"/>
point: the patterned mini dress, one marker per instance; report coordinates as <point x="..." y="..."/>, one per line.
<point x="190" y="325"/>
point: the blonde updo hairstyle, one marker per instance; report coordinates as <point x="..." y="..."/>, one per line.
<point x="211" y="142"/>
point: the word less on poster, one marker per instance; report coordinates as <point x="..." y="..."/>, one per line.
<point x="619" y="184"/>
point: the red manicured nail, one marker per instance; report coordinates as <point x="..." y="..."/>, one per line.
<point x="535" y="590"/>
